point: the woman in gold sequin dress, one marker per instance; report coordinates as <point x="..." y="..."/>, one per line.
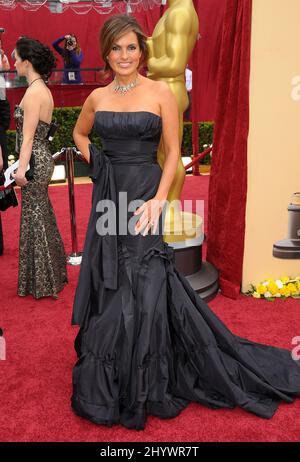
<point x="42" y="260"/>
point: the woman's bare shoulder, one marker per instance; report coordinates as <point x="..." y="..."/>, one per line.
<point x="163" y="87"/>
<point x="155" y="84"/>
<point x="157" y="87"/>
<point x="97" y="95"/>
<point x="38" y="96"/>
<point x="162" y="92"/>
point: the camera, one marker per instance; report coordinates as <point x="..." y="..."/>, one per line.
<point x="70" y="41"/>
<point x="2" y="30"/>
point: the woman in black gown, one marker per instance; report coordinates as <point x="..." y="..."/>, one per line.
<point x="147" y="343"/>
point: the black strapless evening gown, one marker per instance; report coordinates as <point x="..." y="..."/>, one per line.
<point x="148" y="344"/>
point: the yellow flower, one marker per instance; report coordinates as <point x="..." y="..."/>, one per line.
<point x="284" y="291"/>
<point x="260" y="289"/>
<point x="284" y="287"/>
<point x="272" y="287"/>
<point x="285" y="279"/>
<point x="292" y="288"/>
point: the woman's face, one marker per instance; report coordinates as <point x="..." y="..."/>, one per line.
<point x="125" y="54"/>
<point x="20" y="65"/>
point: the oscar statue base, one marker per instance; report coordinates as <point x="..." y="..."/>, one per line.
<point x="202" y="275"/>
<point x="287" y="248"/>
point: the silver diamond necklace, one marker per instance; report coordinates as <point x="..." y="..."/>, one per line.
<point x="123" y="89"/>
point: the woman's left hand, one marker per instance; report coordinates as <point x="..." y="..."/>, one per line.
<point x="150" y="211"/>
<point x="19" y="178"/>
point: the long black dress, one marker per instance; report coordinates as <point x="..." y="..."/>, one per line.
<point x="148" y="344"/>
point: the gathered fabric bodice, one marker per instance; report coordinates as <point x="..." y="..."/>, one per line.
<point x="129" y="137"/>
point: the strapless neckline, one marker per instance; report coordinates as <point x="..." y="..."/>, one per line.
<point x="131" y="112"/>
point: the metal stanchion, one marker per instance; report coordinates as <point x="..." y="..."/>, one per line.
<point x="59" y="154"/>
<point x="75" y="257"/>
<point x="68" y="153"/>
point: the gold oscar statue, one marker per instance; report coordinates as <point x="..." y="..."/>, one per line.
<point x="170" y="48"/>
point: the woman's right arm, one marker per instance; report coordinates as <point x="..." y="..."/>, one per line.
<point x="56" y="46"/>
<point x="84" y="126"/>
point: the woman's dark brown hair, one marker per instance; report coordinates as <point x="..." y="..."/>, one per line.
<point x="38" y="54"/>
<point x="113" y="29"/>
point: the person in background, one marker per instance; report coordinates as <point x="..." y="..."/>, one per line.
<point x="4" y="66"/>
<point x="4" y="122"/>
<point x="4" y="106"/>
<point x="1" y="232"/>
<point x="42" y="259"/>
<point x="189" y="86"/>
<point x="72" y="56"/>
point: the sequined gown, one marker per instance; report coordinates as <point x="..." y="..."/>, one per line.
<point x="148" y="344"/>
<point x="42" y="260"/>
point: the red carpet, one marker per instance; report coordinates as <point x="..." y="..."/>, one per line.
<point x="35" y="383"/>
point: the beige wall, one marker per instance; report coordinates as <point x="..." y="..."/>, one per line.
<point x="274" y="136"/>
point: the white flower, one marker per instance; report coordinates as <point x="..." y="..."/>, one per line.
<point x="279" y="283"/>
<point x="278" y="295"/>
<point x="11" y="157"/>
<point x="265" y="283"/>
<point x="267" y="294"/>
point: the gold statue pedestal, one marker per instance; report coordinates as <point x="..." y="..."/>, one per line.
<point x="186" y="237"/>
